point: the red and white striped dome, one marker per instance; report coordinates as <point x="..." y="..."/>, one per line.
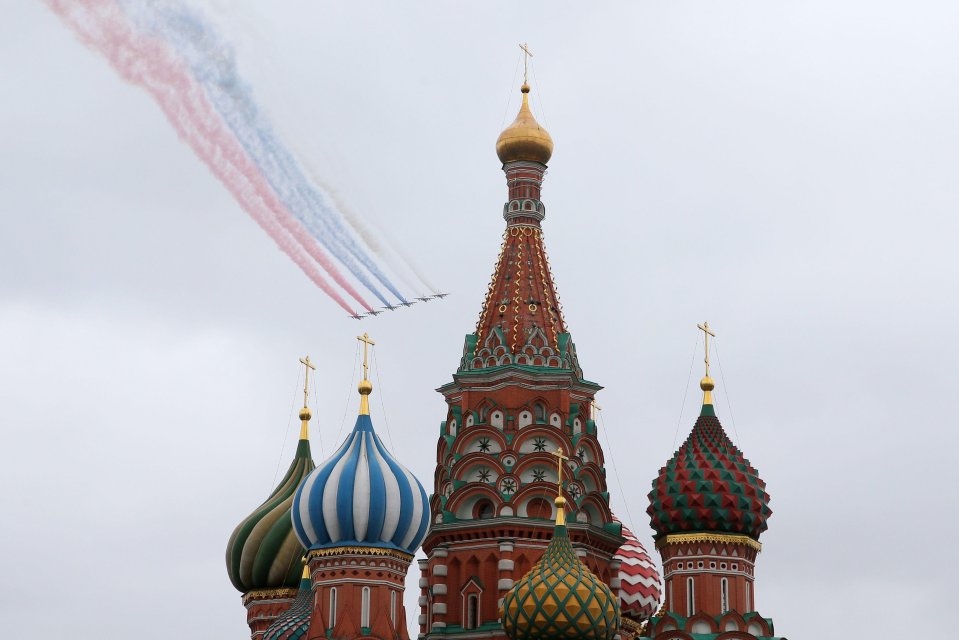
<point x="640" y="584"/>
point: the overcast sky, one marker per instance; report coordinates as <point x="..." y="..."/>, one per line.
<point x="786" y="171"/>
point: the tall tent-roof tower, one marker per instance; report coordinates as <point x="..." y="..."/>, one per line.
<point x="708" y="507"/>
<point x="518" y="394"/>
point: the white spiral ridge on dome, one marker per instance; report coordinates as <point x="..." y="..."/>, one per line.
<point x="361" y="496"/>
<point x="640" y="585"/>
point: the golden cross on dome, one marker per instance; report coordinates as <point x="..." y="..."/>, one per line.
<point x="704" y="327"/>
<point x="365" y="339"/>
<point x="560" y="500"/>
<point x="595" y="406"/>
<point x="560" y="457"/>
<point x="306" y="379"/>
<point x="527" y="54"/>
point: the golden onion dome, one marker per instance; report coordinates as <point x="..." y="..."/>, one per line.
<point x="560" y="598"/>
<point x="524" y="139"/>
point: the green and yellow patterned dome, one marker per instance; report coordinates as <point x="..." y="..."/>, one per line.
<point x="560" y="598"/>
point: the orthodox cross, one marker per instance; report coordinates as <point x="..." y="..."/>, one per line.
<point x="527" y="54"/>
<point x="560" y="457"/>
<point x="306" y="379"/>
<point x="365" y="339"/>
<point x="595" y="406"/>
<point x="704" y="327"/>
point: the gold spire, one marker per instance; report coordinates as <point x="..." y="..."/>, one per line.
<point x="365" y="387"/>
<point x="524" y="139"/>
<point x="560" y="500"/>
<point x="305" y="414"/>
<point x="707" y="384"/>
<point x="306" y="570"/>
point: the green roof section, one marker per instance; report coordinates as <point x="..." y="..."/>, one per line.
<point x="263" y="552"/>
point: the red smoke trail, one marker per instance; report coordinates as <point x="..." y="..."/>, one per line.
<point x="146" y="62"/>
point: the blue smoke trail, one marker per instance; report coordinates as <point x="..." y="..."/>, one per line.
<point x="215" y="69"/>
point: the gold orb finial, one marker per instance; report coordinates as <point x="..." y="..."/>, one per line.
<point x="305" y="414"/>
<point x="365" y="387"/>
<point x="707" y="384"/>
<point x="524" y="139"/>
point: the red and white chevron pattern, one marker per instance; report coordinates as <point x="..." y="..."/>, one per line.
<point x="640" y="584"/>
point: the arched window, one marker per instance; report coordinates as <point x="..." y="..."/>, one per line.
<point x="332" y="614"/>
<point x="393" y="607"/>
<point x="690" y="597"/>
<point x="724" y="595"/>
<point x="539" y="508"/>
<point x="365" y="608"/>
<point x="539" y="411"/>
<point x="472" y="611"/>
<point x="484" y="509"/>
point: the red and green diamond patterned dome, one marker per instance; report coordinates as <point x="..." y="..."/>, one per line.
<point x="708" y="486"/>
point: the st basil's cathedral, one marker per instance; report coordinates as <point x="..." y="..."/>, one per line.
<point x="519" y="539"/>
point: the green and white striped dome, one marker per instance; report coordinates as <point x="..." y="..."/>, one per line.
<point x="263" y="552"/>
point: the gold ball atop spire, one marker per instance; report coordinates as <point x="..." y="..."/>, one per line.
<point x="707" y="384"/>
<point x="365" y="387"/>
<point x="305" y="414"/>
<point x="524" y="139"/>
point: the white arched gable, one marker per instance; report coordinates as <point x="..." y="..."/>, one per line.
<point x="525" y="418"/>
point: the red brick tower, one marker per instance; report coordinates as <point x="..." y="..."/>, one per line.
<point x="708" y="508"/>
<point x="518" y="396"/>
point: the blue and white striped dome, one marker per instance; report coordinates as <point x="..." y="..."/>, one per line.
<point x="361" y="496"/>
